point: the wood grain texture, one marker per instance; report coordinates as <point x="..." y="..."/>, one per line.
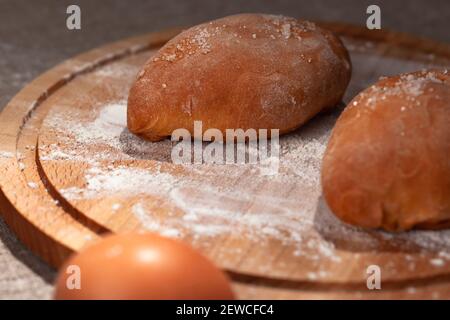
<point x="53" y="225"/>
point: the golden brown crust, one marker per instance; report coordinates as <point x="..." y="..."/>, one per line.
<point x="387" y="164"/>
<point x="244" y="71"/>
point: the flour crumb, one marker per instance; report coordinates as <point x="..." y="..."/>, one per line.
<point x="6" y="154"/>
<point x="437" y="262"/>
<point x="32" y="185"/>
<point x="286" y="30"/>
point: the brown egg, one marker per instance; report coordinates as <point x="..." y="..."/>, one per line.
<point x="140" y="266"/>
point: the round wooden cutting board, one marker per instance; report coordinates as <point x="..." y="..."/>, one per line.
<point x="71" y="171"/>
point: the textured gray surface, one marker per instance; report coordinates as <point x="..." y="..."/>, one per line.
<point x="33" y="38"/>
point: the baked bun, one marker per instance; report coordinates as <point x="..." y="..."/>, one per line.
<point x="243" y="71"/>
<point x="387" y="164"/>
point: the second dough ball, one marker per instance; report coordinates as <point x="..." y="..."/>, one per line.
<point x="244" y="71"/>
<point x="387" y="164"/>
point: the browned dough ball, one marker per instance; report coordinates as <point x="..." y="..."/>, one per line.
<point x="387" y="164"/>
<point x="243" y="71"/>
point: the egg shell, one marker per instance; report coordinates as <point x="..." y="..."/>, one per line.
<point x="141" y="266"/>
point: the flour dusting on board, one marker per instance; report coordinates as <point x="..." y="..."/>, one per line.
<point x="210" y="198"/>
<point x="108" y="130"/>
<point x="6" y="154"/>
<point x="120" y="180"/>
<point x="208" y="201"/>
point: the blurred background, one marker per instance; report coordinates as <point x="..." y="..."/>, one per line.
<point x="34" y="38"/>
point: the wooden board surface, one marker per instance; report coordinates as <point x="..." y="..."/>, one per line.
<point x="70" y="171"/>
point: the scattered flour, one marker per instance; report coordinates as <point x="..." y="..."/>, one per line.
<point x="109" y="124"/>
<point x="82" y="139"/>
<point x="210" y="198"/>
<point x="140" y="212"/>
<point x="6" y="154"/>
<point x="32" y="185"/>
<point x="208" y="201"/>
<point x="413" y="85"/>
<point x="437" y="262"/>
<point x="121" y="181"/>
<point x="286" y="30"/>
